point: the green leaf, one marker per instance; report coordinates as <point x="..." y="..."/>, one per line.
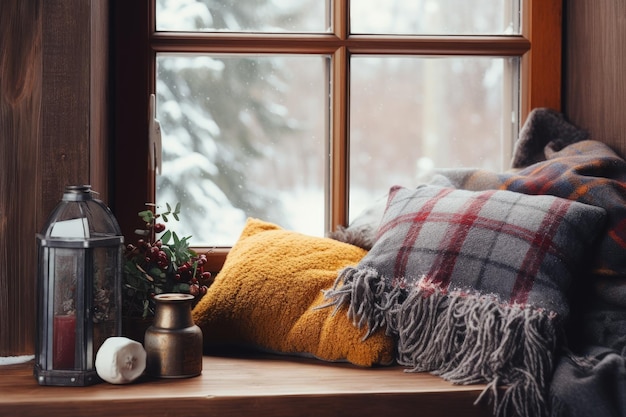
<point x="168" y="252"/>
<point x="146" y="215"/>
<point x="141" y="278"/>
<point x="146" y="308"/>
<point x="156" y="273"/>
<point x="165" y="239"/>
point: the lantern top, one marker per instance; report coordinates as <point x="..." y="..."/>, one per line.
<point x="81" y="217"/>
<point x="78" y="193"/>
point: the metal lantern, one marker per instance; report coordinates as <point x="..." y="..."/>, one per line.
<point x="78" y="287"/>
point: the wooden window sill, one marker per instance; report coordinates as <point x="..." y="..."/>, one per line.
<point x="248" y="385"/>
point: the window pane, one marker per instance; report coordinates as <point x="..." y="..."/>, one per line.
<point x="410" y="115"/>
<point x="435" y="17"/>
<point x="243" y="136"/>
<point x="243" y="15"/>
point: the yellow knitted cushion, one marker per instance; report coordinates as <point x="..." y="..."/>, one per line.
<point x="266" y="293"/>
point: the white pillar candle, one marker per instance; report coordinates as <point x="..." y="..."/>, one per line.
<point x="120" y="360"/>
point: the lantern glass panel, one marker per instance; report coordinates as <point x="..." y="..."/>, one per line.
<point x="65" y="265"/>
<point x="106" y="303"/>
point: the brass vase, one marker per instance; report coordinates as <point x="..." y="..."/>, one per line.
<point x="173" y="342"/>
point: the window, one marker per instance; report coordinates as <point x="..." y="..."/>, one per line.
<point x="303" y="114"/>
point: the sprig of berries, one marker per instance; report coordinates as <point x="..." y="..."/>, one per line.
<point x="161" y="264"/>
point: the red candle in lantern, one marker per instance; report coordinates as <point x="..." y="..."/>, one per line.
<point x="64" y="342"/>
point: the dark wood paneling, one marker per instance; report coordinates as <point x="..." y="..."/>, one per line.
<point x="132" y="87"/>
<point x="595" y="58"/>
<point x="20" y="100"/>
<point x="99" y="99"/>
<point x="65" y="98"/>
<point x="53" y="124"/>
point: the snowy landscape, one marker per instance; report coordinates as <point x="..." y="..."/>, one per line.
<point x="247" y="135"/>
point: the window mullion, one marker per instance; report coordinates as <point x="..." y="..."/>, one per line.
<point x="541" y="66"/>
<point x="337" y="200"/>
<point x="341" y="19"/>
<point x="337" y="195"/>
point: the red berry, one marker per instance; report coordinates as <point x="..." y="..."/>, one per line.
<point x="159" y="227"/>
<point x="194" y="289"/>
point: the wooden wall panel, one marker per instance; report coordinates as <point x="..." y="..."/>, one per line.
<point x="595" y="62"/>
<point x="53" y="132"/>
<point x="20" y="101"/>
<point x="65" y="99"/>
<point x="99" y="99"/>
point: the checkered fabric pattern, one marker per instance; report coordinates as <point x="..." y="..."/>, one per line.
<point x="589" y="172"/>
<point x="473" y="285"/>
<point x="552" y="157"/>
<point x="523" y="248"/>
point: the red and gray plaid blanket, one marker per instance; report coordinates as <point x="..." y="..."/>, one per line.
<point x="589" y="172"/>
<point x="464" y="333"/>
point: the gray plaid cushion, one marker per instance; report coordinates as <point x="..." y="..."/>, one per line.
<point x="523" y="248"/>
<point x="473" y="285"/>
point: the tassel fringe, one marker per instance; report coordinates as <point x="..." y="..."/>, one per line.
<point x="462" y="336"/>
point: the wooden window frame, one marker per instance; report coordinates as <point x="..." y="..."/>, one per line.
<point x="136" y="43"/>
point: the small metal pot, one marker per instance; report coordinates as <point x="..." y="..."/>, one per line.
<point x="173" y="342"/>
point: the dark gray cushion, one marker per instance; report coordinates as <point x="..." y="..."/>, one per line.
<point x="523" y="248"/>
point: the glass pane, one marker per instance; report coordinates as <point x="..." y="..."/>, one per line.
<point x="410" y="115"/>
<point x="268" y="16"/>
<point x="105" y="299"/>
<point x="243" y="136"/>
<point x="66" y="267"/>
<point x="435" y="17"/>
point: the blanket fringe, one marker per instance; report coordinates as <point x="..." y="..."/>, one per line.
<point x="462" y="336"/>
<point x="370" y="302"/>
